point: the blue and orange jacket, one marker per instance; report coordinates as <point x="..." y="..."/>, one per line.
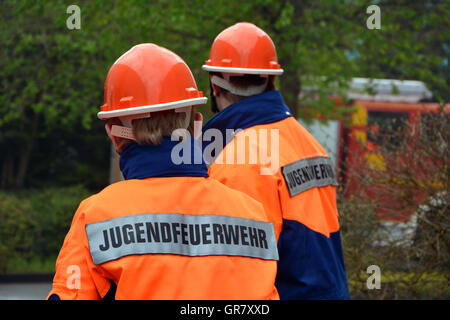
<point x="297" y="190"/>
<point x="167" y="232"/>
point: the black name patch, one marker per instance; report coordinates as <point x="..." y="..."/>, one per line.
<point x="309" y="173"/>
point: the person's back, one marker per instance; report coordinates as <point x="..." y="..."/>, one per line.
<point x="272" y="158"/>
<point x="300" y="199"/>
<point x="170" y="238"/>
<point x="168" y="231"/>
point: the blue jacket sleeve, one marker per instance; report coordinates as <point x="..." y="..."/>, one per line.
<point x="311" y="266"/>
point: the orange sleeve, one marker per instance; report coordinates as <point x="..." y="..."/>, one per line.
<point x="316" y="208"/>
<point x="76" y="277"/>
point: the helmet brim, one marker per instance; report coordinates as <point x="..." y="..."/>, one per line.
<point x="276" y="72"/>
<point x="151" y="108"/>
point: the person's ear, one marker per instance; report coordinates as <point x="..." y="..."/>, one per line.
<point x="114" y="139"/>
<point x="119" y="143"/>
<point x="198" y="124"/>
<point x="198" y="117"/>
<point x="216" y="90"/>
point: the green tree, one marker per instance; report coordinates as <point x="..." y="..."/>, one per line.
<point x="51" y="80"/>
<point x="52" y="77"/>
<point x="412" y="44"/>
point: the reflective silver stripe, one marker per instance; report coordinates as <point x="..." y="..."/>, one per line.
<point x="172" y="233"/>
<point x="308" y="173"/>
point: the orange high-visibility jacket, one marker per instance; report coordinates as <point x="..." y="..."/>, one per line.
<point x="278" y="163"/>
<point x="167" y="232"/>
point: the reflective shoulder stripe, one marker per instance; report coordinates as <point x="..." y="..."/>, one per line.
<point x="189" y="235"/>
<point x="308" y="173"/>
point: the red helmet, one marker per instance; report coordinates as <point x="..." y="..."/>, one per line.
<point x="244" y="49"/>
<point x="148" y="78"/>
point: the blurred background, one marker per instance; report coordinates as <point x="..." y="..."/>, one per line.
<point x="374" y="95"/>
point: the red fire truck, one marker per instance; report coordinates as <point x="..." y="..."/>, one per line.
<point x="355" y="145"/>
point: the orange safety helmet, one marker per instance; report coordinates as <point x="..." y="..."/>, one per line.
<point x="148" y="78"/>
<point x="244" y="49"/>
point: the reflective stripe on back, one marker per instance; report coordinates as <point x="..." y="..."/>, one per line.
<point x="172" y="233"/>
<point x="308" y="173"/>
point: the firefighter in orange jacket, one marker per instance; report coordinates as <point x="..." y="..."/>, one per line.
<point x="167" y="231"/>
<point x="271" y="157"/>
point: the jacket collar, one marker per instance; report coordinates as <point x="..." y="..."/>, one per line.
<point x="141" y="162"/>
<point x="267" y="107"/>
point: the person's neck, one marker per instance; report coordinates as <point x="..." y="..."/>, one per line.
<point x="223" y="102"/>
<point x="141" y="162"/>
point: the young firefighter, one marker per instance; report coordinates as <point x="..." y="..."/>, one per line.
<point x="292" y="176"/>
<point x="167" y="231"/>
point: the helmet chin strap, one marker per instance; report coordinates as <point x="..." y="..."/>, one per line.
<point x="247" y="92"/>
<point x="122" y="132"/>
<point x="126" y="131"/>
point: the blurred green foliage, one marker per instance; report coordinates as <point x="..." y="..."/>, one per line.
<point x="52" y="78"/>
<point x="405" y="274"/>
<point x="16" y="229"/>
<point x="33" y="225"/>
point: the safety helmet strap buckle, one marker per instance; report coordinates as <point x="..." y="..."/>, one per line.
<point x="126" y="131"/>
<point x="122" y="132"/>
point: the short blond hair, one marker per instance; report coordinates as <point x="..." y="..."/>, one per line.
<point x="150" y="131"/>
